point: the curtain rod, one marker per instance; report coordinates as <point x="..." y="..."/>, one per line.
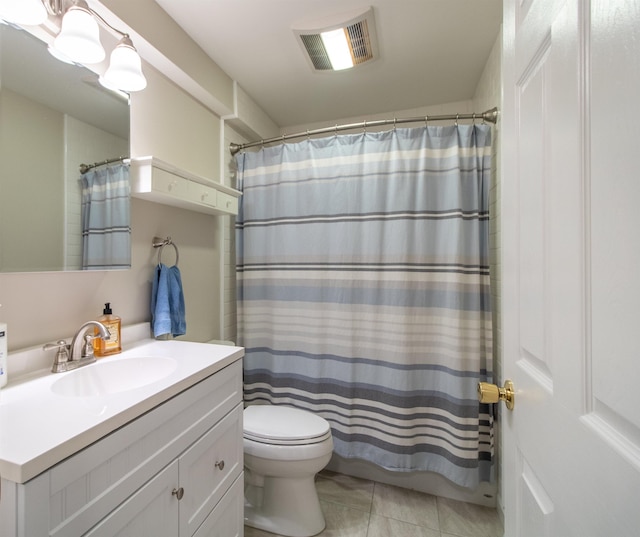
<point x="84" y="168"/>
<point x="490" y="116"/>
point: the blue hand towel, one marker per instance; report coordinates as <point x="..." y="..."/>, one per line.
<point x="176" y="302"/>
<point x="167" y="302"/>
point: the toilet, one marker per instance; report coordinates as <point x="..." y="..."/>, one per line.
<point x="284" y="448"/>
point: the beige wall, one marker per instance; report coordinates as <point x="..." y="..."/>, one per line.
<point x="172" y="125"/>
<point x="161" y="41"/>
<point x="229" y="321"/>
<point x="169" y="124"/>
<point x="26" y="153"/>
<point x="489" y="94"/>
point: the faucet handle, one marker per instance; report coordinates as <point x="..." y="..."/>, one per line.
<point x="62" y="356"/>
<point x="87" y="348"/>
<point x="61" y="344"/>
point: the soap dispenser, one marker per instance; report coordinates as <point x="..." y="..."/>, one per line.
<point x="113" y="344"/>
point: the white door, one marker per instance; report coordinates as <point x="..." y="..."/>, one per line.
<point x="570" y="135"/>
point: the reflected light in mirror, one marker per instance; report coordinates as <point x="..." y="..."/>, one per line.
<point x="29" y="12"/>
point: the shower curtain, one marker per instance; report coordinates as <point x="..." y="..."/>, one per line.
<point x="106" y="218"/>
<point x="364" y="295"/>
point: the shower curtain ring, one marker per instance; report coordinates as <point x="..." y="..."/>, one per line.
<point x="364" y="126"/>
<point x="473" y="119"/>
<point x="394" y="123"/>
<point x="426" y="121"/>
<point x="457" y="116"/>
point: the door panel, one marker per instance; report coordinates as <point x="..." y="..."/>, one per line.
<point x="615" y="219"/>
<point x="534" y="504"/>
<point x="571" y="250"/>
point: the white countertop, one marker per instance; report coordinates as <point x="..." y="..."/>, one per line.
<point x="39" y="428"/>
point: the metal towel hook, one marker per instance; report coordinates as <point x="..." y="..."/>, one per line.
<point x="160" y="243"/>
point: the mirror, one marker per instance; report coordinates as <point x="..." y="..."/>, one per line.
<point x="54" y="116"/>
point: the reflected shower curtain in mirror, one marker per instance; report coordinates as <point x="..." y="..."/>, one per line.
<point x="106" y="218"/>
<point x="364" y="293"/>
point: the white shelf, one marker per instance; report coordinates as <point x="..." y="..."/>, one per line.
<point x="155" y="180"/>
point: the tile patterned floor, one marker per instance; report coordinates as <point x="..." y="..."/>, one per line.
<point x="359" y="508"/>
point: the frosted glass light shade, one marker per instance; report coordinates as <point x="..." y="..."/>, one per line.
<point x="27" y="12"/>
<point x="125" y="68"/>
<point x="337" y="47"/>
<point x="79" y="37"/>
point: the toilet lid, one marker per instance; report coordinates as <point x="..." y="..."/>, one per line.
<point x="283" y="425"/>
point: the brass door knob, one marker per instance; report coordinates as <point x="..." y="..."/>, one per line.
<point x="491" y="393"/>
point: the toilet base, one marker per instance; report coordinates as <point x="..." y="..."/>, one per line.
<point x="290" y="507"/>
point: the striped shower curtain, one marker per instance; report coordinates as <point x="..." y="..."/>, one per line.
<point x="106" y="218"/>
<point x="364" y="295"/>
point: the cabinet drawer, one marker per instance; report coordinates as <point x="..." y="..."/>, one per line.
<point x="203" y="195"/>
<point x="168" y="183"/>
<point x="208" y="468"/>
<point x="227" y="519"/>
<point x="227" y="204"/>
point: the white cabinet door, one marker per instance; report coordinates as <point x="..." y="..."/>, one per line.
<point x="571" y="252"/>
<point x="153" y="510"/>
<point x="207" y="470"/>
<point x="227" y="519"/>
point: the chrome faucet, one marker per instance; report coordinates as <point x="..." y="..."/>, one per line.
<point x="80" y="352"/>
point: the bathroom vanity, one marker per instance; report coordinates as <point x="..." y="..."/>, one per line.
<point x="126" y="448"/>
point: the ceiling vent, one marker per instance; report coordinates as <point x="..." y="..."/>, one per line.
<point x="345" y="41"/>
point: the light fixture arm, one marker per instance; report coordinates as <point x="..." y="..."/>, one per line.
<point x="53" y="7"/>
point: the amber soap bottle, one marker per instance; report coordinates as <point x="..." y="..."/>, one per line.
<point x="113" y="344"/>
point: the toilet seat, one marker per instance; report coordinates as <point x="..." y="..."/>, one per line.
<point x="284" y="426"/>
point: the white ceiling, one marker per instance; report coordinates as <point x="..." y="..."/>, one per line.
<point x="431" y="52"/>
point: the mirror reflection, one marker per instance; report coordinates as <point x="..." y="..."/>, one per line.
<point x="53" y="118"/>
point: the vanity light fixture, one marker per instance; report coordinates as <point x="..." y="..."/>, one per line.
<point x="125" y="68"/>
<point x="79" y="39"/>
<point x="339" y="42"/>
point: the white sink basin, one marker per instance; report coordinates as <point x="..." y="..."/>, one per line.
<point x="113" y="376"/>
